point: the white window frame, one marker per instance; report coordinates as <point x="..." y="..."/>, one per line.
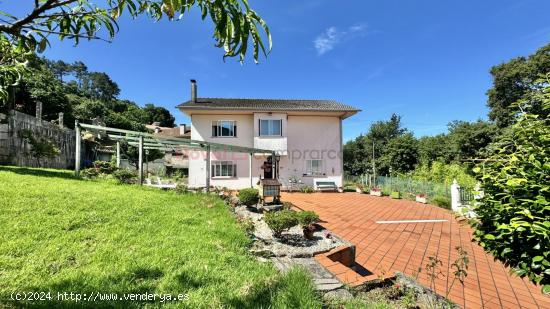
<point x="320" y="168"/>
<point x="216" y="169"/>
<point x="218" y="124"/>
<point x="270" y="127"/>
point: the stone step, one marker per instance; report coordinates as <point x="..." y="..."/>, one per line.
<point x="328" y="286"/>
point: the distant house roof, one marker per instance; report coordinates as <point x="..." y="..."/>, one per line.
<point x="268" y="105"/>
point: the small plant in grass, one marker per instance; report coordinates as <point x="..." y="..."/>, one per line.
<point x="441" y="201"/>
<point x="249" y="197"/>
<point x="307" y="189"/>
<point x="307" y="220"/>
<point x="181" y="189"/>
<point x="280" y="221"/>
<point x="395" y="195"/>
<point x="125" y="176"/>
<point x="247" y="225"/>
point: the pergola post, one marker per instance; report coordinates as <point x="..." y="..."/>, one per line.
<point x="208" y="168"/>
<point x="118" y="154"/>
<point x="140" y="160"/>
<point x="77" y="148"/>
<point x="273" y="166"/>
<point x="250" y="169"/>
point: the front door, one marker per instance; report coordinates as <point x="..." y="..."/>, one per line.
<point x="268" y="168"/>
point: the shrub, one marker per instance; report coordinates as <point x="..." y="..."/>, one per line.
<point x="395" y="195"/>
<point x="307" y="218"/>
<point x="90" y="173"/>
<point x="514" y="212"/>
<point x="249" y="197"/>
<point x="441" y="201"/>
<point x="105" y="167"/>
<point x="181" y="189"/>
<point x="307" y="189"/>
<point x="125" y="176"/>
<point x="280" y="221"/>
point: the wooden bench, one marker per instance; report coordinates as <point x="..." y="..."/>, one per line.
<point x="326" y="185"/>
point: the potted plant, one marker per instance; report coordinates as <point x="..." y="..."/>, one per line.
<point x="421" y="198"/>
<point x="307" y="220"/>
<point x="376" y="191"/>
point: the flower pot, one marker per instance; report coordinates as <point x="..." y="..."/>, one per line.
<point x="375" y="193"/>
<point x="308" y="231"/>
<point x="421" y="199"/>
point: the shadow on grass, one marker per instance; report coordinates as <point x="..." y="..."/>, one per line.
<point x="65" y="174"/>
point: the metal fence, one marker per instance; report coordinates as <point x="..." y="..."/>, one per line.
<point x="405" y="185"/>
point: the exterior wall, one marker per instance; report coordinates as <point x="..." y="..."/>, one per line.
<point x="312" y="137"/>
<point x="15" y="150"/>
<point x="308" y="137"/>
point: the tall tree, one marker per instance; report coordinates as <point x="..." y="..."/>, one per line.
<point x="512" y="81"/>
<point x="468" y="140"/>
<point x="159" y="114"/>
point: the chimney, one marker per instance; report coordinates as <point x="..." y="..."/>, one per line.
<point x="183" y="128"/>
<point x="193" y="91"/>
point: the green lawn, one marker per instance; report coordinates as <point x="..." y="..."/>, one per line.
<point x="61" y="234"/>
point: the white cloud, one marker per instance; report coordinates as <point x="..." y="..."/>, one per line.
<point x="331" y="37"/>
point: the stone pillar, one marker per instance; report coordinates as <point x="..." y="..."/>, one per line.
<point x="60" y="120"/>
<point x="455" y="196"/>
<point x="140" y="160"/>
<point x="38" y="110"/>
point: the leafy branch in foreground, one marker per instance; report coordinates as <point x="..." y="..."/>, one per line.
<point x="235" y="22"/>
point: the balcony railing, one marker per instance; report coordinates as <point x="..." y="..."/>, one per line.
<point x="278" y="144"/>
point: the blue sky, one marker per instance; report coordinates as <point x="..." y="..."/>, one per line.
<point x="428" y="61"/>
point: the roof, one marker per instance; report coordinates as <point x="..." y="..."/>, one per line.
<point x="268" y="105"/>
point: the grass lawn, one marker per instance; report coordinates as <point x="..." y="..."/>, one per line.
<point x="61" y="234"/>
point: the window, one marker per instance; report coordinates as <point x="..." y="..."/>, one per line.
<point x="271" y="127"/>
<point x="223" y="169"/>
<point x="314" y="167"/>
<point x="224" y="128"/>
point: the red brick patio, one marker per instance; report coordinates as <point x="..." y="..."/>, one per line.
<point x="384" y="249"/>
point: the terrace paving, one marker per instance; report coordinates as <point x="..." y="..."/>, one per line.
<point x="383" y="249"/>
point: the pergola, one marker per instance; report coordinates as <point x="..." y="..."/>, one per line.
<point x="143" y="141"/>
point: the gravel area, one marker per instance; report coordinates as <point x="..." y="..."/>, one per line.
<point x="292" y="243"/>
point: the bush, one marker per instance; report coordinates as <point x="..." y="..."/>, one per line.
<point x="105" y="167"/>
<point x="90" y="173"/>
<point x="307" y="189"/>
<point x="441" y="201"/>
<point x="125" y="176"/>
<point x="395" y="195"/>
<point x="249" y="197"/>
<point x="280" y="221"/>
<point x="307" y="218"/>
<point x="514" y="212"/>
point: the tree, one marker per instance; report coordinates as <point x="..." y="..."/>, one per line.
<point x="512" y="81"/>
<point x="132" y="154"/>
<point x="434" y="148"/>
<point x="235" y="23"/>
<point x="100" y="86"/>
<point x="401" y="155"/>
<point x="159" y="114"/>
<point x="514" y="213"/>
<point x="467" y="140"/>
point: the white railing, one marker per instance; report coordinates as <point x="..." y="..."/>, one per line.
<point x="278" y="144"/>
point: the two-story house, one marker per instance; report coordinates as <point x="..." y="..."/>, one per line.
<point x="305" y="134"/>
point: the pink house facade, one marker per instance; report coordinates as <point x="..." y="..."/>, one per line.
<point x="306" y="136"/>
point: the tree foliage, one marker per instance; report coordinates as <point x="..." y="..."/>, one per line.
<point x="236" y="25"/>
<point x="512" y="81"/>
<point x="41" y="147"/>
<point x="514" y="214"/>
